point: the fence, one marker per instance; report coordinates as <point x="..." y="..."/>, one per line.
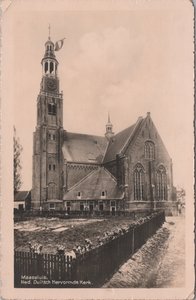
<point x="41" y="268"/>
<point x="99" y="264"/>
<point x="90" y="269"/>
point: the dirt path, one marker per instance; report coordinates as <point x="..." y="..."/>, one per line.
<point x="159" y="263"/>
<point x="171" y="271"/>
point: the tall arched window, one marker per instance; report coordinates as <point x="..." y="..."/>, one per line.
<point x="52" y="190"/>
<point x="51" y="67"/>
<point x="46" y="67"/>
<point x="149" y="150"/>
<point x="138" y="177"/>
<point x="161" y="186"/>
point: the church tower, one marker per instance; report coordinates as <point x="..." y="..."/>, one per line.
<point x="48" y="136"/>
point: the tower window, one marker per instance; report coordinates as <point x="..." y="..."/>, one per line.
<point x="52" y="137"/>
<point x="54" y="167"/>
<point x="52" y="109"/>
<point x="46" y="67"/>
<point x="138" y="177"/>
<point x="51" y="67"/>
<point x="49" y="167"/>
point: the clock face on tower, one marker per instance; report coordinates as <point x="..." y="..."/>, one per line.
<point x="51" y="84"/>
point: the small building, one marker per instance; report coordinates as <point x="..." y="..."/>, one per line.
<point x="22" y="200"/>
<point x="98" y="191"/>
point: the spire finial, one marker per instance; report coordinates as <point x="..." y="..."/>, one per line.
<point x="49" y="31"/>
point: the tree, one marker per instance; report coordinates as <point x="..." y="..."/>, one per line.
<point x="17" y="162"/>
<point x="181" y="195"/>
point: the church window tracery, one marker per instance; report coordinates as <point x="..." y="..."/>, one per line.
<point x="149" y="150"/>
<point x="138" y="176"/>
<point x="161" y="187"/>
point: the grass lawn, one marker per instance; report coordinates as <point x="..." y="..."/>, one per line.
<point x="51" y="232"/>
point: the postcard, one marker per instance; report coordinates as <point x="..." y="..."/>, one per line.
<point x="97" y="147"/>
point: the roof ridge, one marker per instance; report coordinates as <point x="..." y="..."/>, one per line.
<point x="138" y="122"/>
<point x="84" y="178"/>
<point x="79" y="133"/>
<point x="123" y="130"/>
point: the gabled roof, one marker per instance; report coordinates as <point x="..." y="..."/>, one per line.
<point x="119" y="141"/>
<point x="21" y="195"/>
<point x="86" y="148"/>
<point x="93" y="185"/>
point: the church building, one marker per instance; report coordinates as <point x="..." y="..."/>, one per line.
<point x="128" y="171"/>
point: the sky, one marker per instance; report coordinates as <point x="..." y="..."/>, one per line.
<point x="126" y="60"/>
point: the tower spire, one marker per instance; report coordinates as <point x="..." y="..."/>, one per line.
<point x="49" y="61"/>
<point x="109" y="133"/>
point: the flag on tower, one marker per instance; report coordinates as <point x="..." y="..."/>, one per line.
<point x="59" y="44"/>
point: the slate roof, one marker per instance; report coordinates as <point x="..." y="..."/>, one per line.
<point x="116" y="143"/>
<point x="21" y="195"/>
<point x="86" y="148"/>
<point x="93" y="185"/>
<point x="119" y="141"/>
